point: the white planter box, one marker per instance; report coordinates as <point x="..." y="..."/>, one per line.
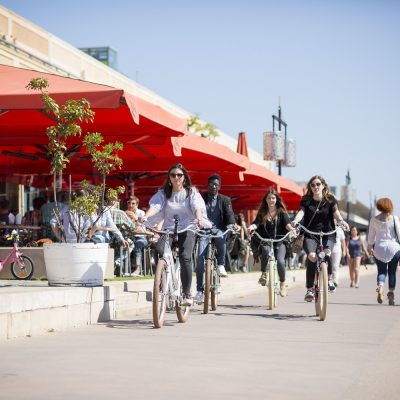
<point x="75" y="264"/>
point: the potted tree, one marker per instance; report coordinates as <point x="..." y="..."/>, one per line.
<point x="76" y="261"/>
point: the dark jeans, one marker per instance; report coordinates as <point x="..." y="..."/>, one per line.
<point x="186" y="241"/>
<point x="388" y="268"/>
<point x="311" y="245"/>
<point x="220" y="244"/>
<point x="279" y="253"/>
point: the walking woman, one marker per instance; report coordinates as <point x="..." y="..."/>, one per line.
<point x="319" y="209"/>
<point x="383" y="244"/>
<point x="356" y="248"/>
<point x="178" y="197"/>
<point x="271" y="222"/>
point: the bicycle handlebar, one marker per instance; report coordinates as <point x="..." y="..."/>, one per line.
<point x="318" y="233"/>
<point x="271" y="240"/>
<point x="204" y="233"/>
<point x="170" y="232"/>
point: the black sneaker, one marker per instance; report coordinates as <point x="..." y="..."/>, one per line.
<point x="331" y="286"/>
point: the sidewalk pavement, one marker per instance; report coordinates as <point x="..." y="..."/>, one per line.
<point x="32" y="307"/>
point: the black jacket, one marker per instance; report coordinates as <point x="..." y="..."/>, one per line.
<point x="225" y="206"/>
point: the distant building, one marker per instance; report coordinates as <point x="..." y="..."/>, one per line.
<point x="106" y="55"/>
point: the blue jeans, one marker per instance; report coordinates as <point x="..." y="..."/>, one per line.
<point x="388" y="268"/>
<point x="220" y="244"/>
<point x="140" y="244"/>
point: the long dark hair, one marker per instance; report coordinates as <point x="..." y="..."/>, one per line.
<point x="327" y="195"/>
<point x="187" y="182"/>
<point x="263" y="209"/>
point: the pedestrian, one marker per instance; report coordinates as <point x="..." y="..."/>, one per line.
<point x="271" y="222"/>
<point x="220" y="214"/>
<point x="320" y="210"/>
<point x="339" y="251"/>
<point x="355" y="249"/>
<point x="383" y="244"/>
<point x="178" y="197"/>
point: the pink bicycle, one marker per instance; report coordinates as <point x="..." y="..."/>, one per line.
<point x="21" y="265"/>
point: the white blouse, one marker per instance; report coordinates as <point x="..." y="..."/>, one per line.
<point x="382" y="235"/>
<point x="182" y="205"/>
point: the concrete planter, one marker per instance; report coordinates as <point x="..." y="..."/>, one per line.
<point x="75" y="264"/>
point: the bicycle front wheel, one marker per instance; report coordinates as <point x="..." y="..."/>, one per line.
<point x="182" y="312"/>
<point x="160" y="294"/>
<point x="215" y="287"/>
<point x="207" y="285"/>
<point x="323" y="291"/>
<point x="22" y="268"/>
<point x="271" y="285"/>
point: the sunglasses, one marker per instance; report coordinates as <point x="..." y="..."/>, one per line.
<point x="176" y="175"/>
<point x="316" y="184"/>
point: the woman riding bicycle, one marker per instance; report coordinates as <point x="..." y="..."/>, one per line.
<point x="271" y="222"/>
<point x="178" y="197"/>
<point x="319" y="209"/>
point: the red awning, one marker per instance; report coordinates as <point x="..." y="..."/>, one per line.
<point x="118" y="115"/>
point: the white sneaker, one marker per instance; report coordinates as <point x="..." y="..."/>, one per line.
<point x="221" y="271"/>
<point x="199" y="298"/>
<point x="187" y="301"/>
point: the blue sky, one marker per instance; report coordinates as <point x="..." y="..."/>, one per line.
<point x="334" y="64"/>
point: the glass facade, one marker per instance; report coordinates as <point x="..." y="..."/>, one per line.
<point x="106" y="55"/>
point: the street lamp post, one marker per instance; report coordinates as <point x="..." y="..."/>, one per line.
<point x="280" y="123"/>
<point x="348" y="181"/>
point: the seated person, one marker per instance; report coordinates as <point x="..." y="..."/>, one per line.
<point x="131" y="208"/>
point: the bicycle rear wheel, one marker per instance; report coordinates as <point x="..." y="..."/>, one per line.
<point x="207" y="285"/>
<point x="160" y="294"/>
<point x="22" y="268"/>
<point x="323" y="291"/>
<point x="215" y="286"/>
<point x="271" y="285"/>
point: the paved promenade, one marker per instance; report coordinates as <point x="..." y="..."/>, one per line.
<point x="242" y="351"/>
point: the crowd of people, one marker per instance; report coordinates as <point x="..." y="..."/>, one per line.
<point x="318" y="212"/>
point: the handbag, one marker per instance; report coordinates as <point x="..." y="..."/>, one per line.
<point x="297" y="244"/>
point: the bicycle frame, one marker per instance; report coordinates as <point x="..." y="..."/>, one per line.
<point x="321" y="274"/>
<point x="21" y="266"/>
<point x="14" y="254"/>
<point x="273" y="279"/>
<point x="167" y="288"/>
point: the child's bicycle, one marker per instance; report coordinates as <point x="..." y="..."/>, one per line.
<point x="21" y="265"/>
<point x="272" y="270"/>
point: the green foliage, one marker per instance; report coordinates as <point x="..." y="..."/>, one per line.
<point x="68" y="118"/>
<point x="208" y="131"/>
<point x="104" y="156"/>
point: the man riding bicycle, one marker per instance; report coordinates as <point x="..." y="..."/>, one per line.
<point x="220" y="213"/>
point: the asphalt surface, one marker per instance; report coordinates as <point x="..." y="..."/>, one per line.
<point x="241" y="351"/>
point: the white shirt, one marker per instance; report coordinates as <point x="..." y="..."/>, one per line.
<point x="337" y="247"/>
<point x="382" y="235"/>
<point x="182" y="205"/>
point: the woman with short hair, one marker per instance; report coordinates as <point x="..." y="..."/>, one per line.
<point x="383" y="244"/>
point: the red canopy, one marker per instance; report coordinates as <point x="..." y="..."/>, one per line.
<point x="119" y="115"/>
